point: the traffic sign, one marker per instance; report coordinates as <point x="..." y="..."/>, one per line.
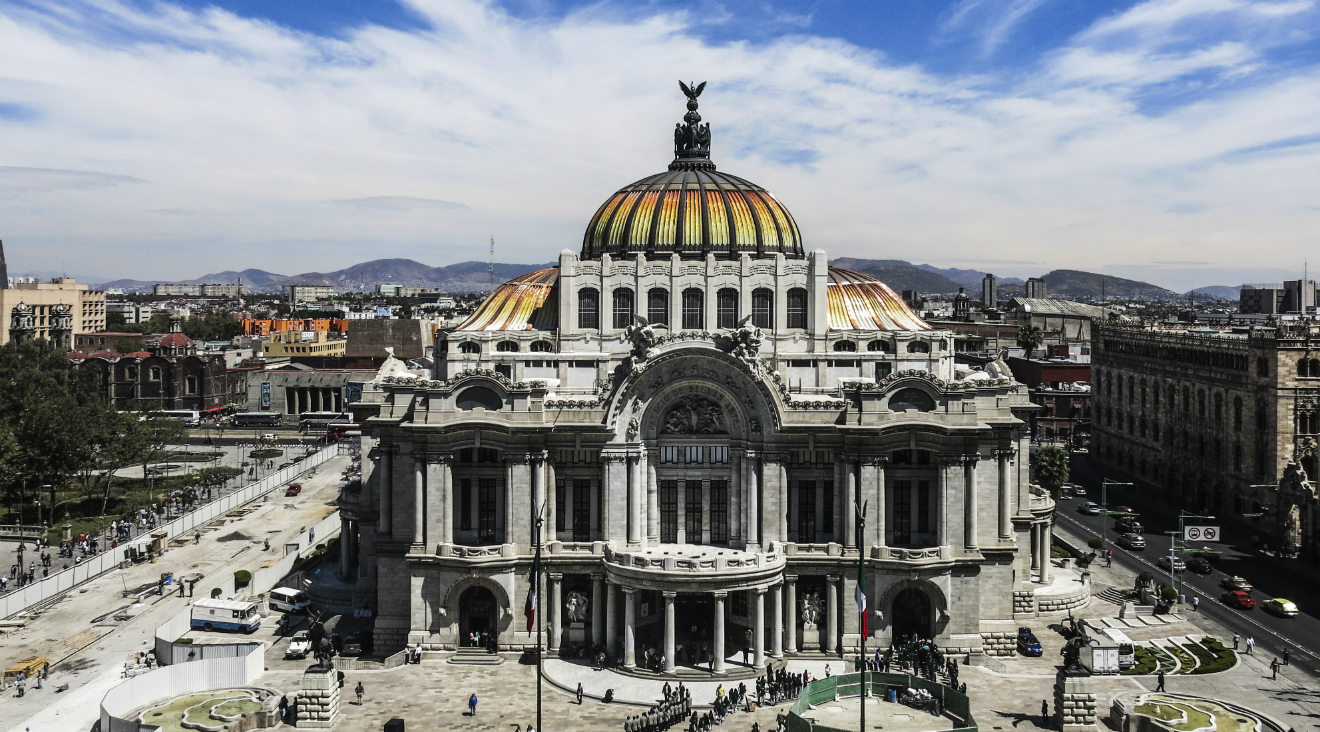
<point x="1201" y="533"/>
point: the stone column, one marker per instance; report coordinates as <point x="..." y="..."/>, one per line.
<point x="940" y="511"/>
<point x="849" y="517"/>
<point x="556" y="609"/>
<point x="719" y="632"/>
<point x="636" y="502"/>
<point x="386" y="486"/>
<point x="777" y="628"/>
<point x="1005" y="498"/>
<point x="597" y="608"/>
<point x="551" y="498"/>
<point x="881" y="515"/>
<point x="969" y="504"/>
<point x="753" y="503"/>
<point x="790" y="613"/>
<point x="781" y="491"/>
<point x="629" y="626"/>
<point x="318" y="700"/>
<point x="758" y="634"/>
<point x="440" y="508"/>
<point x="831" y="614"/>
<point x="419" y="501"/>
<point x="652" y="502"/>
<point x="1035" y="548"/>
<point x="669" y="631"/>
<point x="611" y="619"/>
<point x="1046" y="548"/>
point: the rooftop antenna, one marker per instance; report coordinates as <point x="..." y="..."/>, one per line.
<point x="492" y="261"/>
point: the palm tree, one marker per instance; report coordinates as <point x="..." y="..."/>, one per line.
<point x="1029" y="337"/>
<point x="1051" y="468"/>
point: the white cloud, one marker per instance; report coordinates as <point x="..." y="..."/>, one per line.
<point x="15" y="179"/>
<point x="247" y="132"/>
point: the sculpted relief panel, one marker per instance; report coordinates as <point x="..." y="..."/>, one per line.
<point x="694" y="415"/>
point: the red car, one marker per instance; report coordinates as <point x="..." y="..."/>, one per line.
<point x="293" y="489"/>
<point x="1238" y="599"/>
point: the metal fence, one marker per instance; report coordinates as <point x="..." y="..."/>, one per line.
<point x="829" y="689"/>
<point x="66" y="579"/>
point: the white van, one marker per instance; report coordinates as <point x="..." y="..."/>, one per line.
<point x="289" y="600"/>
<point x="225" y="615"/>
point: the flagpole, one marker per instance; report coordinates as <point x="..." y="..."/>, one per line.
<point x="540" y="616"/>
<point x="861" y="596"/>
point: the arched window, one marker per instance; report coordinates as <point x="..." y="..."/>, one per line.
<point x="588" y="309"/>
<point x="797" y="308"/>
<point x="1237" y="413"/>
<point x="1219" y="408"/>
<point x="877" y="346"/>
<point x="623" y="307"/>
<point x="911" y="399"/>
<point x="469" y="347"/>
<point x="845" y="347"/>
<point x="1155" y="395"/>
<point x="657" y="306"/>
<point x="543" y="347"/>
<point x="507" y="346"/>
<point x="763" y="308"/>
<point x="726" y="308"/>
<point x="1200" y="402"/>
<point x="918" y="347"/>
<point x="694" y="309"/>
<point x="479" y="396"/>
<point x="1308" y="367"/>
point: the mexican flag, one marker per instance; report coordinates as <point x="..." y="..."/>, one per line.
<point x="861" y="599"/>
<point x="529" y="608"/>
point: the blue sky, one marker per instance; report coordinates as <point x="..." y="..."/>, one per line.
<point x="1171" y="140"/>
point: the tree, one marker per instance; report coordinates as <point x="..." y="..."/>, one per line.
<point x="128" y="346"/>
<point x="1052" y="468"/>
<point x="1029" y="337"/>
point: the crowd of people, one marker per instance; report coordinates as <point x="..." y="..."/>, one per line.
<point x="672" y="710"/>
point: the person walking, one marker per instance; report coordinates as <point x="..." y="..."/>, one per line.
<point x="472" y="705"/>
<point x="1274" y="669"/>
<point x="1235" y="641"/>
<point x="1159" y="681"/>
<point x="1251" y="645"/>
<point x="360" y="691"/>
<point x="579" y="693"/>
<point x="1196" y="603"/>
<point x="1045" y="714"/>
<point x="1285" y="657"/>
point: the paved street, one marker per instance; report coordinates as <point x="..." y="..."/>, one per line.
<point x="1272" y="576"/>
<point x="88" y="648"/>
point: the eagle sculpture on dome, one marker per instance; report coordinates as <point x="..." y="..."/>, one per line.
<point x="692" y="91"/>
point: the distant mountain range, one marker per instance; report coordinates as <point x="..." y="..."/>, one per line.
<point x="1223" y="292"/>
<point x="461" y="277"/>
<point x="898" y="274"/>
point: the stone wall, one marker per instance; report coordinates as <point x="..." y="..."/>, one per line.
<point x="999" y="643"/>
<point x="318" y="699"/>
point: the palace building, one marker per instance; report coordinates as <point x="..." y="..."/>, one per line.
<point x="690" y="416"/>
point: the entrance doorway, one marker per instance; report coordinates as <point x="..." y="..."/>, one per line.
<point x="912" y="615"/>
<point x="477" y="614"/>
<point x="693" y="615"/>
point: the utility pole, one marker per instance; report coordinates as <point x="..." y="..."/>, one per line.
<point x="861" y="606"/>
<point x="540" y="616"/>
<point x="1181" y="516"/>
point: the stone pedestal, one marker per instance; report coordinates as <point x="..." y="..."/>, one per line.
<point x="1074" y="703"/>
<point x="318" y="699"/>
<point x="577" y="632"/>
<point x="810" y="637"/>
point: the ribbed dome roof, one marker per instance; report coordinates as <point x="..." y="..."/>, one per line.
<point x="692" y="212"/>
<point x="692" y="209"/>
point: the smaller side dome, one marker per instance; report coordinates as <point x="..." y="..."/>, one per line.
<point x="860" y="302"/>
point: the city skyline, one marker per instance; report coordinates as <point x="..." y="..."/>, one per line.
<point x="1160" y="141"/>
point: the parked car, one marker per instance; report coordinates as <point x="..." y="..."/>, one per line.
<point x="1123" y="509"/>
<point x="1079" y="491"/>
<point x="1134" y="542"/>
<point x="1238" y="599"/>
<point x="300" y="645"/>
<point x="1027" y="644"/>
<point x="293" y="489"/>
<point x="1234" y="583"/>
<point x="353" y="645"/>
<point x="1089" y="508"/>
<point x="1126" y="524"/>
<point x="268" y="436"/>
<point x="1281" y="607"/>
<point x="1178" y="564"/>
<point x="1080" y="451"/>
<point x="1199" y="565"/>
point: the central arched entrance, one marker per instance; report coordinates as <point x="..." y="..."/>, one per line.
<point x="477" y="614"/>
<point x="911" y="614"/>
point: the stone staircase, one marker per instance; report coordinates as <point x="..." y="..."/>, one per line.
<point x="1111" y="595"/>
<point x="474" y="657"/>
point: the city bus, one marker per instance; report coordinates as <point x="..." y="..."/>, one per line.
<point x="190" y="417"/>
<point x="319" y="421"/>
<point x="336" y="431"/>
<point x="1127" y="657"/>
<point x="239" y="615"/>
<point x="258" y="419"/>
